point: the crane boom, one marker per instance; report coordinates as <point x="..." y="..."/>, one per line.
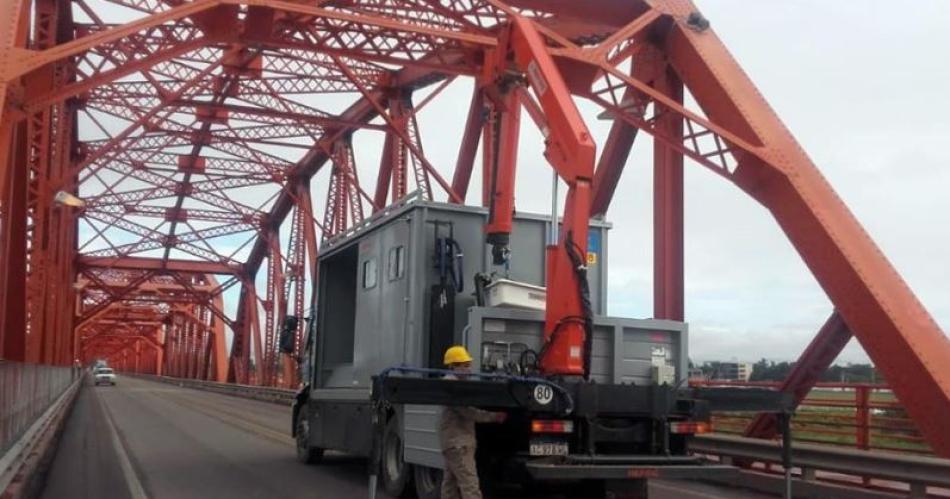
<point x="571" y="152"/>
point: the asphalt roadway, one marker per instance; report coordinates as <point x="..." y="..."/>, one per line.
<point x="148" y="440"/>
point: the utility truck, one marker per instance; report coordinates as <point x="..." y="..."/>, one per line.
<point x="415" y="279"/>
<point x="593" y="402"/>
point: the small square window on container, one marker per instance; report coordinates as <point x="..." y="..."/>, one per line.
<point x="369" y="273"/>
<point x="397" y="263"/>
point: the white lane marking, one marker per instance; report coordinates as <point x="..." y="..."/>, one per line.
<point x="131" y="478"/>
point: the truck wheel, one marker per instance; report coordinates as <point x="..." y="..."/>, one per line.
<point x="428" y="482"/>
<point x="306" y="453"/>
<point x="395" y="472"/>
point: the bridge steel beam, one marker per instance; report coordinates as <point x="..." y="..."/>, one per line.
<point x="202" y="163"/>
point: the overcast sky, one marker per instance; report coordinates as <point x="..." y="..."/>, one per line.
<point x="863" y="88"/>
<point x="861" y="84"/>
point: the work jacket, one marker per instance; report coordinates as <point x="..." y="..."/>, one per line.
<point x="457" y="426"/>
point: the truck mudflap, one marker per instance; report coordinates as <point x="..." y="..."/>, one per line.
<point x="582" y="467"/>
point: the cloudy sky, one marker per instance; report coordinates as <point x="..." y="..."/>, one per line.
<point x="861" y="84"/>
<point x="864" y="91"/>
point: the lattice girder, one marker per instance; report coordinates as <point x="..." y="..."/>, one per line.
<point x="190" y="130"/>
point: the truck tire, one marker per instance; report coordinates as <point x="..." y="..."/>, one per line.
<point x="428" y="482"/>
<point x="306" y="453"/>
<point x="394" y="470"/>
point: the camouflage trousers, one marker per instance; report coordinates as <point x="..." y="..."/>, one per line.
<point x="460" y="478"/>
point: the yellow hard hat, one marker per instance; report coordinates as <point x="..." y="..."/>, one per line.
<point x="456" y="355"/>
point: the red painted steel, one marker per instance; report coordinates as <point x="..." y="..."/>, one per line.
<point x="204" y="122"/>
<point x="813" y="362"/>
<point x="570" y="151"/>
<point x="862" y="415"/>
<point x="668" y="271"/>
<point x="153" y="322"/>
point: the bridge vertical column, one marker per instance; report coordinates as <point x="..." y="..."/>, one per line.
<point x="14" y="32"/>
<point x="194" y="342"/>
<point x="188" y="350"/>
<point x="50" y="248"/>
<point x="184" y="354"/>
<point x="218" y="343"/>
<point x="177" y="348"/>
<point x="13" y="221"/>
<point x="668" y="208"/>
<point x="254" y="331"/>
<point x="275" y="309"/>
<point x="181" y="347"/>
<point x="160" y="350"/>
<point x="240" y="343"/>
<point x="468" y="148"/>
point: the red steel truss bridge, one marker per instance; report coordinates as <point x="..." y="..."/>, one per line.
<point x="157" y="156"/>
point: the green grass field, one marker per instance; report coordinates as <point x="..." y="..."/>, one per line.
<point x="828" y="394"/>
<point x="890" y="428"/>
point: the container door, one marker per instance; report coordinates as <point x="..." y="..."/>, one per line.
<point x="394" y="277"/>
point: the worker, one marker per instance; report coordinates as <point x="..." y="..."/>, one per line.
<point x="457" y="433"/>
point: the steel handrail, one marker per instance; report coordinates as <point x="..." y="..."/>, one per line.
<point x="908" y="468"/>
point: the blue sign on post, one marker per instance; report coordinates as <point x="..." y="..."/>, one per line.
<point x="593" y="247"/>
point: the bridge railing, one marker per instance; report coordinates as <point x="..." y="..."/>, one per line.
<point x="895" y="475"/>
<point x="26" y="391"/>
<point x="859" y="415"/>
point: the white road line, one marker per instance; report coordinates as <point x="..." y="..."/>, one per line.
<point x="131" y="478"/>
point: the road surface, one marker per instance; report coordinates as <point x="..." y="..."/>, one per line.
<point x="144" y="439"/>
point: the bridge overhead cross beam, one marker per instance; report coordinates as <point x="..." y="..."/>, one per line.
<point x="217" y="106"/>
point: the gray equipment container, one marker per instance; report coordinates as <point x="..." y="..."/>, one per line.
<point x="376" y="284"/>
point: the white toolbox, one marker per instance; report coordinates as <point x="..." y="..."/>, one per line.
<point x="663" y="375"/>
<point x="506" y="293"/>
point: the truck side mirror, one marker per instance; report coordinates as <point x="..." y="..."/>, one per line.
<point x="287" y="334"/>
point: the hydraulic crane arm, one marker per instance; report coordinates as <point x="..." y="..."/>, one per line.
<point x="571" y="151"/>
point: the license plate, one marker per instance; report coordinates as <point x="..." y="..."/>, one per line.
<point x="542" y="448"/>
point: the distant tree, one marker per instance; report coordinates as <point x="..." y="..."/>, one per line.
<point x="760" y="370"/>
<point x="710" y="369"/>
<point x="852" y="373"/>
<point x="767" y="370"/>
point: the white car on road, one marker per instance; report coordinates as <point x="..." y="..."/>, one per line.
<point x="104" y="376"/>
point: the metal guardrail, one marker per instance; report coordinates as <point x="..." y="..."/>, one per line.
<point x="859" y="415"/>
<point x="24" y="462"/>
<point x="264" y="393"/>
<point x="917" y="472"/>
<point x="26" y="391"/>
